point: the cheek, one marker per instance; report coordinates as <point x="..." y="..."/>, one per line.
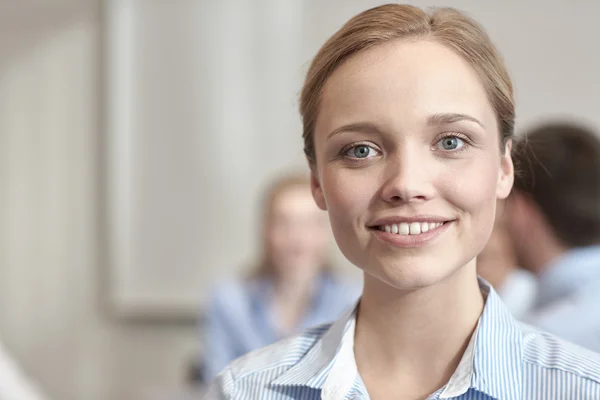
<point x="275" y="243"/>
<point x="472" y="184"/>
<point x="278" y="238"/>
<point x="347" y="194"/>
<point x="473" y="191"/>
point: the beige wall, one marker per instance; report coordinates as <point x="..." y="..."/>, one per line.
<point x="51" y="269"/>
<point x="52" y="261"/>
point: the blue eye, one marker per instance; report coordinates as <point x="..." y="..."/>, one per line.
<point x="450" y="143"/>
<point x="361" y="151"/>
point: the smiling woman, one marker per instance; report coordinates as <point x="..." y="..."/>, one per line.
<point x="408" y="124"/>
<point x="425" y="159"/>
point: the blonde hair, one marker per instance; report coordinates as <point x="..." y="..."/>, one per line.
<point x="391" y="22"/>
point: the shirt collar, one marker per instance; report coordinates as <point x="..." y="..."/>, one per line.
<point x="491" y="364"/>
<point x="568" y="273"/>
<point x="313" y="369"/>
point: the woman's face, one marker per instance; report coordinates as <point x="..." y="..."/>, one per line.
<point x="408" y="162"/>
<point x="297" y="234"/>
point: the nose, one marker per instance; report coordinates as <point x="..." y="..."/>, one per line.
<point x="408" y="177"/>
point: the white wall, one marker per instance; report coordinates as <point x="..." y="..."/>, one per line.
<point x="48" y="129"/>
<point x="201" y="112"/>
<point x="52" y="262"/>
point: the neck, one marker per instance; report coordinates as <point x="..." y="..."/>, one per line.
<point x="417" y="337"/>
<point x="540" y="255"/>
<point x="294" y="289"/>
<point x="543" y="260"/>
<point x="291" y="298"/>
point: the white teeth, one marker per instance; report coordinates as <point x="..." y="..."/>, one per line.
<point x="413" y="228"/>
<point x="404" y="228"/>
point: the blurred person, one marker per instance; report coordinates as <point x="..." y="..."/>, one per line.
<point x="408" y="122"/>
<point x="555" y="223"/>
<point x="293" y="287"/>
<point x="14" y="385"/>
<point x="497" y="264"/>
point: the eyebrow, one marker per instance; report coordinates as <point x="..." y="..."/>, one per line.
<point x="449" y="118"/>
<point x="434" y="119"/>
<point x="361" y="127"/>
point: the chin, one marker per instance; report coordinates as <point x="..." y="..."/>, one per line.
<point x="412" y="268"/>
<point x="416" y="272"/>
<point x="406" y="278"/>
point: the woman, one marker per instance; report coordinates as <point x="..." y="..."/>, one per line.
<point x="292" y="288"/>
<point x="408" y="123"/>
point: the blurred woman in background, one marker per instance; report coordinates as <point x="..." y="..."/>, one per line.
<point x="293" y="287"/>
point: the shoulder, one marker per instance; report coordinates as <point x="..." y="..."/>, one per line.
<point x="523" y="280"/>
<point x="518" y="292"/>
<point x="576" y="318"/>
<point x="545" y="352"/>
<point x="261" y="367"/>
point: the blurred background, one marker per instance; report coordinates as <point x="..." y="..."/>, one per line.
<point x="136" y="138"/>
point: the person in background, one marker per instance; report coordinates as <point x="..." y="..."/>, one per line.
<point x="497" y="264"/>
<point x="554" y="221"/>
<point x="292" y="288"/>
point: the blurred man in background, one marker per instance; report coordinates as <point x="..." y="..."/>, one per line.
<point x="554" y="220"/>
<point x="498" y="265"/>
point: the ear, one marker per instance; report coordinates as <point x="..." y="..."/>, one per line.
<point x="506" y="175"/>
<point x="315" y="187"/>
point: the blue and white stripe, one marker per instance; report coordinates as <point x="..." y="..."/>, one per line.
<point x="504" y="360"/>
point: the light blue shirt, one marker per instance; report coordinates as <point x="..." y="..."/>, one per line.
<point x="504" y="360"/>
<point x="239" y="317"/>
<point x="568" y="302"/>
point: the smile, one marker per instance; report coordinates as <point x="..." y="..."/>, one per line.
<point x="411" y="234"/>
<point x="410" y="228"/>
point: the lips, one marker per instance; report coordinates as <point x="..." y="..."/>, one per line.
<point x="411" y="233"/>
<point x="410" y="228"/>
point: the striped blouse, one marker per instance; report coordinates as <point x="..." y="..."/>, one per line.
<point x="504" y="360"/>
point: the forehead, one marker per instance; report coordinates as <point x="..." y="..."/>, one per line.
<point x="403" y="79"/>
<point x="294" y="200"/>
